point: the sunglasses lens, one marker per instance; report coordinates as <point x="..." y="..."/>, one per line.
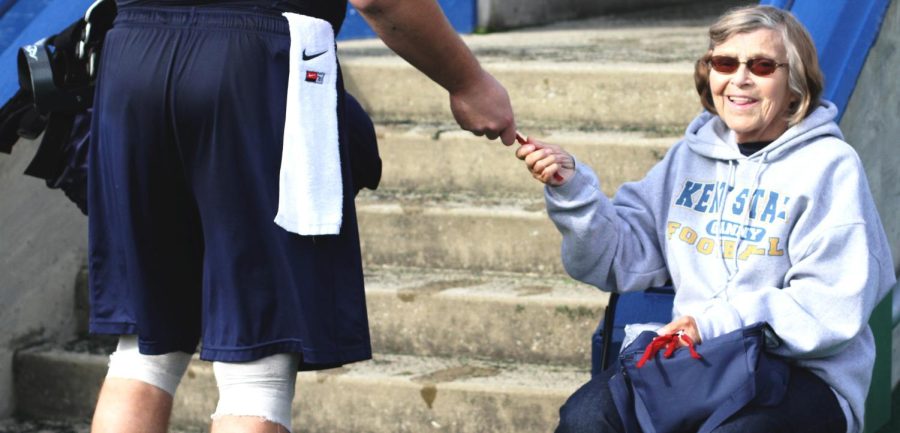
<point x="761" y="67"/>
<point x="724" y="64"/>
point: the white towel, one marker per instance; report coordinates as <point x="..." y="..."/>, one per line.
<point x="310" y="195"/>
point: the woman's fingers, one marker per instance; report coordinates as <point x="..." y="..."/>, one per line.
<point x="524" y="150"/>
<point x="545" y="161"/>
<point x="684" y="324"/>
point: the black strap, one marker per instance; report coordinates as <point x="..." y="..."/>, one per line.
<point x="69" y="71"/>
<point x="50" y="157"/>
<point x="32" y="124"/>
<point x="609" y="321"/>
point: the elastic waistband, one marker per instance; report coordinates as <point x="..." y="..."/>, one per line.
<point x="203" y="17"/>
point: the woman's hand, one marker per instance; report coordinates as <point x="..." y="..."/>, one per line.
<point x="547" y="162"/>
<point x="683" y="323"/>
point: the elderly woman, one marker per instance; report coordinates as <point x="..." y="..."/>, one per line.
<point x="761" y="213"/>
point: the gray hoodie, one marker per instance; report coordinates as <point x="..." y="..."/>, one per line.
<point x="789" y="235"/>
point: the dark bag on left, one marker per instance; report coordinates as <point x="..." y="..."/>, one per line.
<point x="682" y="393"/>
<point x="56" y="88"/>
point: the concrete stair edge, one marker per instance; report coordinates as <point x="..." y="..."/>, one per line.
<point x="530" y="319"/>
<point x="435" y="159"/>
<point x="458" y="236"/>
<point x="389" y="394"/>
<point x="577" y="95"/>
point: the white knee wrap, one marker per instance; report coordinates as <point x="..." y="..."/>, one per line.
<point x="263" y="388"/>
<point x="161" y="371"/>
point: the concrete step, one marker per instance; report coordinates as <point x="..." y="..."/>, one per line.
<point x="621" y="72"/>
<point x="495" y="315"/>
<point x="443" y="159"/>
<point x="544" y="94"/>
<point x="70" y="426"/>
<point x="458" y="232"/>
<point x="513" y="317"/>
<point x="500" y="14"/>
<point x="392" y="393"/>
<point x="532" y="318"/>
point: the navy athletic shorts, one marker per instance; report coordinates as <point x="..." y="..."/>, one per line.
<point x="183" y="189"/>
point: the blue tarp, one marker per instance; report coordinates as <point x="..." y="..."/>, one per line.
<point x="461" y="14"/>
<point x="5" y="5"/>
<point x="54" y="16"/>
<point x="27" y="21"/>
<point x="844" y="31"/>
<point x="15" y="15"/>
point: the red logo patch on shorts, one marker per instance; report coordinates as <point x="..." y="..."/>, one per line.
<point x="315" y="77"/>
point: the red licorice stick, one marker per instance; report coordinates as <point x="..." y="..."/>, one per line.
<point x="523" y="139"/>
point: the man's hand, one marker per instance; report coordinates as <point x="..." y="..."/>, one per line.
<point x="483" y="108"/>
<point x="419" y="32"/>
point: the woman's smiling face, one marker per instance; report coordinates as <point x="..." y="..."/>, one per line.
<point x="754" y="107"/>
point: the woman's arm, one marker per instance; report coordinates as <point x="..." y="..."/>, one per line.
<point x="418" y="31"/>
<point x="613" y="245"/>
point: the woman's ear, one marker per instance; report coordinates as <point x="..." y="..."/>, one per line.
<point x="794" y="104"/>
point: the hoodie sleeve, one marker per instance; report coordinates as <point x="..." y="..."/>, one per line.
<point x="611" y="244"/>
<point x="841" y="268"/>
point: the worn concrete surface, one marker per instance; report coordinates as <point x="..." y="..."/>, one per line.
<point x="629" y="73"/>
<point x="46" y="426"/>
<point x="576" y="95"/>
<point x="389" y="394"/>
<point x="871" y="125"/>
<point x="442" y="234"/>
<point x="531" y="318"/>
<point x="514" y="317"/>
<point x="42" y="245"/>
<point x="623" y="71"/>
<point x="505" y="14"/>
<point x="435" y="159"/>
<point x="19" y="426"/>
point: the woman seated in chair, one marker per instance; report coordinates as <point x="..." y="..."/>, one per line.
<point x="760" y="213"/>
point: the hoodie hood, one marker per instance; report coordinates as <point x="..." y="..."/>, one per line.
<point x="708" y="135"/>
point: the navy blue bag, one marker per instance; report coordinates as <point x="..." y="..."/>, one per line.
<point x="682" y="393"/>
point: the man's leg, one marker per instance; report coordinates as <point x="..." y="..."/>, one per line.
<point x="246" y="424"/>
<point x="255" y="396"/>
<point x="131" y="406"/>
<point x="136" y="396"/>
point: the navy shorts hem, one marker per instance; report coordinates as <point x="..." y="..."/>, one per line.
<point x="311" y="359"/>
<point x="112" y="328"/>
<point x="145" y="347"/>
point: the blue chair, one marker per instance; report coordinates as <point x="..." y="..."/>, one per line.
<point x="651" y="305"/>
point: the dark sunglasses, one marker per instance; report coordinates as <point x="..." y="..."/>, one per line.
<point x="759" y="66"/>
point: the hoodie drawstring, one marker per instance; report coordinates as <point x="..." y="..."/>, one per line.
<point x="732" y="168"/>
<point x="746" y="221"/>
<point x="757" y="177"/>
